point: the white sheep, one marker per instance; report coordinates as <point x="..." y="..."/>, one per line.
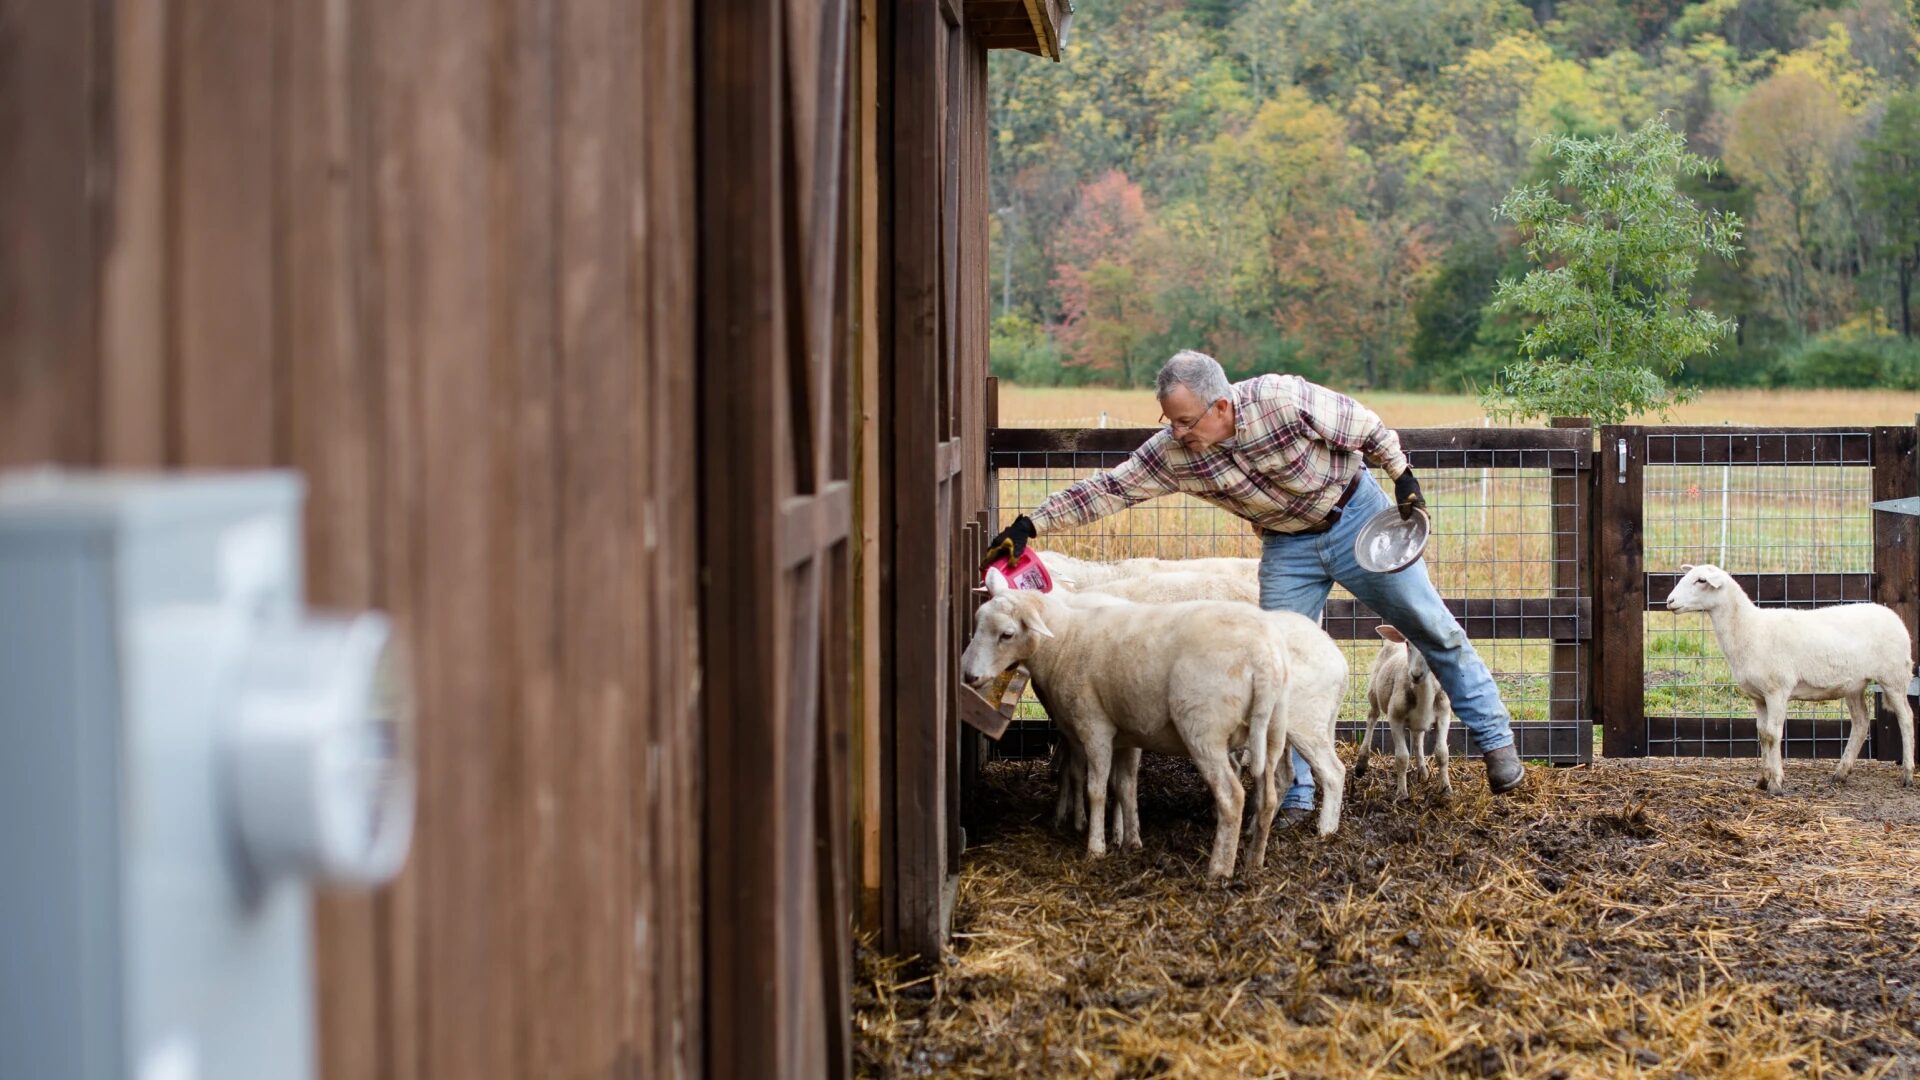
<point x="1077" y="574"/>
<point x="1175" y="586"/>
<point x="1317" y="686"/>
<point x="1402" y="688"/>
<point x="1183" y="679"/>
<point x="1810" y="655"/>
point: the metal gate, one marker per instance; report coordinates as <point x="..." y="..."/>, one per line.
<point x="1786" y="511"/>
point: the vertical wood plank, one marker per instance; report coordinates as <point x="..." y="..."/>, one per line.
<point x="582" y="982"/>
<point x="133" y="317"/>
<point x="431" y="68"/>
<point x="329" y="436"/>
<point x="831" y="815"/>
<point x="869" y="330"/>
<point x="911" y="426"/>
<point x="669" y="796"/>
<point x="229" y="393"/>
<point x="49" y="149"/>
<point x="527" y="519"/>
<point x="1896" y="558"/>
<point x="1620" y="603"/>
<point x="378" y="66"/>
<point x="743" y="345"/>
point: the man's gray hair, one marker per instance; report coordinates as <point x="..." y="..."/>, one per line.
<point x="1199" y="373"/>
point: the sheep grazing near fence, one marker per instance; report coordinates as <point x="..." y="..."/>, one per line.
<point x="1819" y="655"/>
<point x="1402" y="688"/>
<point x="1189" y="679"/>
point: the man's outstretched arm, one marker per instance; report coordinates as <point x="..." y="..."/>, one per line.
<point x="1141" y="477"/>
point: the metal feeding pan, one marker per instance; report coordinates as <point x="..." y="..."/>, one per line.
<point x="1389" y="543"/>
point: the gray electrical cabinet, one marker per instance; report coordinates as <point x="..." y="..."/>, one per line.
<point x="187" y="750"/>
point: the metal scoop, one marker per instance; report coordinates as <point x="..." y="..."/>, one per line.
<point x="1389" y="543"/>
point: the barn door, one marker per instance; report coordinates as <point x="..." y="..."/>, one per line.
<point x="773" y="375"/>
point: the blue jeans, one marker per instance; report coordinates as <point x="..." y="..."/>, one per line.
<point x="1297" y="572"/>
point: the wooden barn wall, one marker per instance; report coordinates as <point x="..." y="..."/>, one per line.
<point x="470" y="270"/>
<point x="440" y="257"/>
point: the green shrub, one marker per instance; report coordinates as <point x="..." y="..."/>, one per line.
<point x="1852" y="363"/>
<point x="1021" y="351"/>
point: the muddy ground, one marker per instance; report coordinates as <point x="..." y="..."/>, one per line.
<point x="1626" y="919"/>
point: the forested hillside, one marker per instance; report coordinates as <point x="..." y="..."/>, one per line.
<point x="1308" y="185"/>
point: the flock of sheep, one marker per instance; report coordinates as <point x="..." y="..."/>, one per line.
<point x="1176" y="657"/>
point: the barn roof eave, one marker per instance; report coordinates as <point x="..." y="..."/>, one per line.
<point x="1032" y="26"/>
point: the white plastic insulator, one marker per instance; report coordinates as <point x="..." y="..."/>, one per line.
<point x="322" y="751"/>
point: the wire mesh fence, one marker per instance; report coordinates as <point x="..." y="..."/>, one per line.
<point x="1788" y="514"/>
<point x="1506" y="551"/>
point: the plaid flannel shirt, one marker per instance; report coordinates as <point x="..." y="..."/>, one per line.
<point x="1295" y="447"/>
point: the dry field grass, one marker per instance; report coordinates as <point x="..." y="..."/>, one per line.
<point x="1631" y="919"/>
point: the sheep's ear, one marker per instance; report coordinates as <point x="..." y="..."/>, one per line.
<point x="996" y="581"/>
<point x="1037" y="625"/>
<point x="1390" y="634"/>
<point x="1686" y="568"/>
<point x="1714" y="577"/>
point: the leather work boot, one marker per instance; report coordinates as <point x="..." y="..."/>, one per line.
<point x="1504" y="771"/>
<point x="1291" y="816"/>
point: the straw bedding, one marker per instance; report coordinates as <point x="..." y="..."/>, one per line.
<point x="1626" y="919"/>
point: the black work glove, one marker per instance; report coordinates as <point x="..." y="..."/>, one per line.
<point x="1012" y="540"/>
<point x="1406" y="492"/>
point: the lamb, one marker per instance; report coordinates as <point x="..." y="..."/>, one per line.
<point x="1402" y="688"/>
<point x="1186" y="679"/>
<point x="1086" y="574"/>
<point x="1816" y="655"/>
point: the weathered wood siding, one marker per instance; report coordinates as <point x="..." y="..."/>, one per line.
<point x="440" y="257"/>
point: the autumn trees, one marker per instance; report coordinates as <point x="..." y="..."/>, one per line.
<point x="1310" y="185"/>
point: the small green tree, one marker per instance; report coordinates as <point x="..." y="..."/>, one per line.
<point x="1607" y="307"/>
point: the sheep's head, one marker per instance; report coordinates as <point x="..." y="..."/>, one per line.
<point x="1417" y="668"/>
<point x="1007" y="630"/>
<point x="1702" y="588"/>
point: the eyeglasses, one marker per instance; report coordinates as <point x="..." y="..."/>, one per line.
<point x="1182" y="427"/>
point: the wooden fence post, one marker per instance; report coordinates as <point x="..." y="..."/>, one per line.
<point x="1896" y="546"/>
<point x="1619" y="595"/>
<point x="1570" y="686"/>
